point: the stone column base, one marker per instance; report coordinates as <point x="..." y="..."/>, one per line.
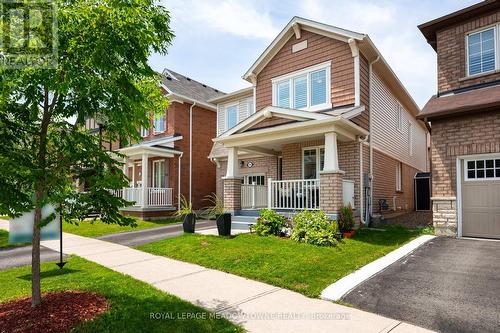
<point x="232" y="194"/>
<point x="444" y="216"/>
<point x="330" y="194"/>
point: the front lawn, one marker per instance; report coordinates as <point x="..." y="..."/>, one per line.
<point x="132" y="302"/>
<point x="97" y="228"/>
<point x="307" y="269"/>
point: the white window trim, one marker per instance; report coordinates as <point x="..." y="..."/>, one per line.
<point x="318" y="159"/>
<point x="144" y="132"/>
<point x="307" y="72"/>
<point x="410" y="138"/>
<point x="226" y="107"/>
<point x="164" y="124"/>
<point x="250" y="110"/>
<point x="399" y="118"/>
<point x="245" y="178"/>
<point x="496" y="37"/>
<point x="466" y="169"/>
<point x="155" y="165"/>
<point x="399" y="177"/>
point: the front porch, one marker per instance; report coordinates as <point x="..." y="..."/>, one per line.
<point x="318" y="164"/>
<point x="153" y="169"/>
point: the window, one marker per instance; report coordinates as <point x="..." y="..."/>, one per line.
<point x="399" y="118"/>
<point x="250" y="106"/>
<point x="313" y="161"/>
<point x="410" y="138"/>
<point x="257" y="179"/>
<point x="159" y="174"/>
<point x="231" y="116"/>
<point x="399" y="173"/>
<point x="481" y="49"/>
<point x="159" y="123"/>
<point x="484" y="169"/>
<point x="144" y="132"/>
<point x="307" y="89"/>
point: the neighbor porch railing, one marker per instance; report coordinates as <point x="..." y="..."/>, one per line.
<point x="157" y="197"/>
<point x="294" y="194"/>
<point x="253" y="196"/>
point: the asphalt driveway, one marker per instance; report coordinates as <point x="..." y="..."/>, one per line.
<point x="447" y="285"/>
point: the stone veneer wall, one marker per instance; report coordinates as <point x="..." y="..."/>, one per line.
<point x="444" y="215"/>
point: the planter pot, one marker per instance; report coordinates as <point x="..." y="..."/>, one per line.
<point x="189" y="223"/>
<point x="349" y="234"/>
<point x="224" y="224"/>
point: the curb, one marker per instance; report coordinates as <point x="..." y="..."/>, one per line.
<point x="337" y="290"/>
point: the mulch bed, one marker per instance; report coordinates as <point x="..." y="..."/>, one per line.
<point x="58" y="313"/>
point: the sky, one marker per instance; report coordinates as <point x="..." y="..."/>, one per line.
<point x="217" y="41"/>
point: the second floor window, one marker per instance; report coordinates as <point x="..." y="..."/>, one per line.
<point x="159" y="123"/>
<point x="481" y="51"/>
<point x="231" y="116"/>
<point x="144" y="132"/>
<point x="307" y="89"/>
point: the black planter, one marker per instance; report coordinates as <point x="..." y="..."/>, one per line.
<point x="189" y="223"/>
<point x="224" y="224"/>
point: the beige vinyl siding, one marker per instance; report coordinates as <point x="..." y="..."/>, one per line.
<point x="385" y="133"/>
<point x="243" y="112"/>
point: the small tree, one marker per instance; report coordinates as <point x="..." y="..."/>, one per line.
<point x="102" y="72"/>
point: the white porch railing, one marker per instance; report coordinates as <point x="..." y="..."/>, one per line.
<point x="159" y="196"/>
<point x="294" y="194"/>
<point x="253" y="196"/>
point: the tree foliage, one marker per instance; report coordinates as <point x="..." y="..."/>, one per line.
<point x="101" y="72"/>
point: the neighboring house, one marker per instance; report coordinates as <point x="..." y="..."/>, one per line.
<point x="175" y="151"/>
<point x="325" y="123"/>
<point x="465" y="120"/>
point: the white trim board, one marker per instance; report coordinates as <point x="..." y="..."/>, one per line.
<point x="337" y="290"/>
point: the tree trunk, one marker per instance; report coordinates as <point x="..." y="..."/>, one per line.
<point x="36" y="295"/>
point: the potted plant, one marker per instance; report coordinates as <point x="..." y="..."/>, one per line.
<point x="217" y="210"/>
<point x="346" y="222"/>
<point x="187" y="214"/>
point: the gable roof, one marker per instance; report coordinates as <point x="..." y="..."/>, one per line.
<point x="362" y="41"/>
<point x="184" y="86"/>
<point x="429" y="29"/>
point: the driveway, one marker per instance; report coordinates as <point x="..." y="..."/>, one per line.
<point x="447" y="285"/>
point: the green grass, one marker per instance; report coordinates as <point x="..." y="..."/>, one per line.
<point x="4" y="240"/>
<point x="307" y="269"/>
<point x="97" y="228"/>
<point x="131" y="301"/>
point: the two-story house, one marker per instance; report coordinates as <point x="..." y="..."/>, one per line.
<point x="465" y="120"/>
<point x="326" y="123"/>
<point x="171" y="159"/>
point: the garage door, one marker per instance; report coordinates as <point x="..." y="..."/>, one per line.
<point x="481" y="197"/>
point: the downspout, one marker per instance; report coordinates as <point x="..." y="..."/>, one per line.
<point x="371" y="131"/>
<point x="361" y="180"/>
<point x="179" y="183"/>
<point x="191" y="151"/>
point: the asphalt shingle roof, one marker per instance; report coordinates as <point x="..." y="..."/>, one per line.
<point x="185" y="86"/>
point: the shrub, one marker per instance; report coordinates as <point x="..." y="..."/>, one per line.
<point x="346" y="219"/>
<point x="270" y="223"/>
<point x="314" y="228"/>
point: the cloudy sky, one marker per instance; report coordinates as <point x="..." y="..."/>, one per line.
<point x="218" y="40"/>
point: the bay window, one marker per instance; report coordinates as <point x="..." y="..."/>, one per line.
<point x="307" y="89"/>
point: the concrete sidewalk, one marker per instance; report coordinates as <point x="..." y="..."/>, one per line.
<point x="259" y="307"/>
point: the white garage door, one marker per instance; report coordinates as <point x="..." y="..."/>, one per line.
<point x="481" y="197"/>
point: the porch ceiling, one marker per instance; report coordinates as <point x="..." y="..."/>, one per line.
<point x="136" y="152"/>
<point x="271" y="139"/>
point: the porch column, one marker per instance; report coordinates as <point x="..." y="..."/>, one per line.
<point x="331" y="194"/>
<point x="125" y="167"/>
<point x="144" y="180"/>
<point x="232" y="183"/>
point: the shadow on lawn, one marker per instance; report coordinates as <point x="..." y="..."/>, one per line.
<point x="52" y="273"/>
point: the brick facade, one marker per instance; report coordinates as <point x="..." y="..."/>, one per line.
<point x="331" y="199"/>
<point x="232" y="194"/>
<point x="451" y="51"/>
